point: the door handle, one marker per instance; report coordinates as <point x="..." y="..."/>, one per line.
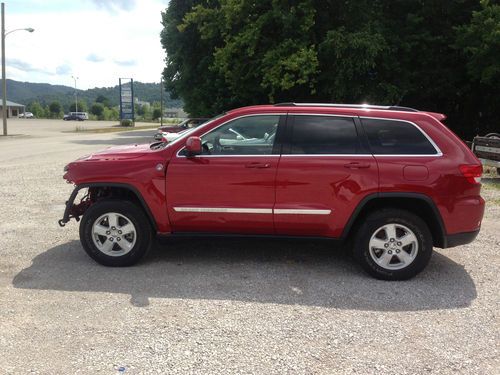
<point x="356" y="165"/>
<point x="257" y="165"/>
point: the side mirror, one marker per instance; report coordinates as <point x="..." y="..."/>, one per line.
<point x="193" y="146"/>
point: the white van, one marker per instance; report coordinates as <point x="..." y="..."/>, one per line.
<point x="84" y="115"/>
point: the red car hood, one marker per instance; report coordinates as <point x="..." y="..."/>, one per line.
<point x="119" y="153"/>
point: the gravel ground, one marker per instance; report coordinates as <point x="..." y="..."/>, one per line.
<point x="222" y="306"/>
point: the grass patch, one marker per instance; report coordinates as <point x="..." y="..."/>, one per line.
<point x="491" y="186"/>
<point x="114" y="129"/>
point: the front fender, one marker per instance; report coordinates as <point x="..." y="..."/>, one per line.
<point x="157" y="216"/>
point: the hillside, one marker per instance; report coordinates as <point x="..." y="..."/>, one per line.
<point x="45" y="93"/>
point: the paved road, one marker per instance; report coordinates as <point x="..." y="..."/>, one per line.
<point x="222" y="306"/>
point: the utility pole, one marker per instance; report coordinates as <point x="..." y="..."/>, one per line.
<point x="161" y="101"/>
<point x="4" y="81"/>
<point x="76" y="94"/>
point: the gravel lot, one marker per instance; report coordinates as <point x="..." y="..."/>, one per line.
<point x="222" y="306"/>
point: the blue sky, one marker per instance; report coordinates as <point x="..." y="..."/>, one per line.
<point x="97" y="41"/>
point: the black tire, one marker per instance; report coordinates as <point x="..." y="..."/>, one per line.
<point x="140" y="240"/>
<point x="420" y="250"/>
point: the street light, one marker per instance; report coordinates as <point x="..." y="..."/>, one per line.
<point x="28" y="29"/>
<point x="76" y="94"/>
<point x="4" y="81"/>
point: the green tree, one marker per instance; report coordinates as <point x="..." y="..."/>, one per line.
<point x="55" y="109"/>
<point x="480" y="42"/>
<point x="139" y="109"/>
<point x="97" y="109"/>
<point x="437" y="55"/>
<point x="103" y="100"/>
<point x="189" y="57"/>
<point x="82" y="106"/>
<point x="111" y="114"/>
<point x="156" y="113"/>
<point x="36" y="109"/>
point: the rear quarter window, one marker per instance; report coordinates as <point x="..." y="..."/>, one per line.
<point x="392" y="137"/>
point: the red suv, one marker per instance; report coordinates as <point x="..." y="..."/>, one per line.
<point x="393" y="180"/>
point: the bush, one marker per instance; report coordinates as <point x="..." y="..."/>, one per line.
<point x="156" y="113"/>
<point x="97" y="109"/>
<point x="126" y="123"/>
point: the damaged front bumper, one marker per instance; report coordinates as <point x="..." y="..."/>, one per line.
<point x="72" y="210"/>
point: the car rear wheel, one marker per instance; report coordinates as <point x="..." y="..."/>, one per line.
<point x="393" y="244"/>
<point x="115" y="233"/>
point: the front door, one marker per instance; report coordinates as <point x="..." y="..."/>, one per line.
<point x="230" y="188"/>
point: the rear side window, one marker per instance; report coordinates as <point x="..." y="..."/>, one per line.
<point x="388" y="137"/>
<point x="323" y="135"/>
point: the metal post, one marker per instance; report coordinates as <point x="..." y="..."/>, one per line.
<point x="161" y="101"/>
<point x="4" y="82"/>
<point x="76" y="94"/>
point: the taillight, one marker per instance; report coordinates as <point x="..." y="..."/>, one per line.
<point x="472" y="172"/>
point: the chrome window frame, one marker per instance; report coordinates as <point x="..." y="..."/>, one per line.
<point x="438" y="153"/>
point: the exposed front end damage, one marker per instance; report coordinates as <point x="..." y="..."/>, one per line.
<point x="75" y="211"/>
<point x="95" y="193"/>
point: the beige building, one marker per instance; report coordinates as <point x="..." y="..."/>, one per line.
<point x="174" y="113"/>
<point x="13" y="109"/>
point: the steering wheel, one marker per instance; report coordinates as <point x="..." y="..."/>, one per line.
<point x="217" y="147"/>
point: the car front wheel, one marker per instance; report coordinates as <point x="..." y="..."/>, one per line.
<point x="393" y="244"/>
<point x="115" y="233"/>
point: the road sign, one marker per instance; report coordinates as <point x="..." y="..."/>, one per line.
<point x="126" y="99"/>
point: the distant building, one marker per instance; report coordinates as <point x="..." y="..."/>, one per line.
<point x="13" y="109"/>
<point x="174" y="113"/>
<point x="140" y="102"/>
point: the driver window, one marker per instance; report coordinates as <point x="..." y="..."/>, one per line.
<point x="253" y="135"/>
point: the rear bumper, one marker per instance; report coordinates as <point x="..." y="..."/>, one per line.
<point x="458" y="239"/>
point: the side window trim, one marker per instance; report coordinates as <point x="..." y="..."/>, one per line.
<point x="364" y="145"/>
<point x="431" y="141"/>
<point x="280" y="135"/>
<point x="276" y="147"/>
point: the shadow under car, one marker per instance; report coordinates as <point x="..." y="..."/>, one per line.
<point x="251" y="270"/>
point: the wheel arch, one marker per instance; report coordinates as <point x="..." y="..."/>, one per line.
<point x="417" y="203"/>
<point x="118" y="190"/>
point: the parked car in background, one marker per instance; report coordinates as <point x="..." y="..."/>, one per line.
<point x="392" y="181"/>
<point x="170" y="137"/>
<point x="26" y="115"/>
<point x="487" y="149"/>
<point x="176" y="128"/>
<point x="78" y="116"/>
<point x="74" y="117"/>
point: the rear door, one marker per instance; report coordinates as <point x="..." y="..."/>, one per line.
<point x="324" y="172"/>
<point x="230" y="188"/>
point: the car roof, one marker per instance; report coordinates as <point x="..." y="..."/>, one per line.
<point x="362" y="110"/>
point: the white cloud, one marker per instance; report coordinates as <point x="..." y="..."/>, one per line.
<point x="94" y="58"/>
<point x="112" y="5"/>
<point x="130" y="62"/>
<point x="99" y="42"/>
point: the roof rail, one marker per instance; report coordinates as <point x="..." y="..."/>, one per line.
<point x="367" y="106"/>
